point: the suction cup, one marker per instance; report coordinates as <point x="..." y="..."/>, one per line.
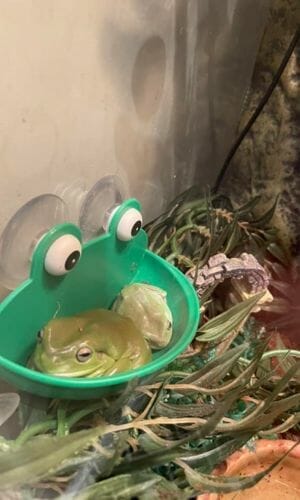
<point x="104" y="196"/>
<point x="23" y="232"/>
<point x="73" y="194"/>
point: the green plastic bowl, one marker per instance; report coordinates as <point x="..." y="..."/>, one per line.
<point x="106" y="265"/>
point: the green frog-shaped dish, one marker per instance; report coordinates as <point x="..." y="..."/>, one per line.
<point x="67" y="278"/>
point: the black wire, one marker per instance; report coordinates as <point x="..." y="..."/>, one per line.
<point x="258" y="110"/>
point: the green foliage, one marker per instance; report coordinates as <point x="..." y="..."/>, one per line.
<point x="164" y="438"/>
<point x="197" y="227"/>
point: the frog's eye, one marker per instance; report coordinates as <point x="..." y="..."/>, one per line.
<point x="129" y="224"/>
<point x="63" y="255"/>
<point x="83" y="354"/>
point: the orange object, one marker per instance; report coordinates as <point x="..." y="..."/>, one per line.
<point x="283" y="483"/>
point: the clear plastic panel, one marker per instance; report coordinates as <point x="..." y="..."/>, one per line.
<point x="147" y="90"/>
<point x="23" y="232"/>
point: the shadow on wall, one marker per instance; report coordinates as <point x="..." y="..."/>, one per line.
<point x="137" y="145"/>
<point x="141" y="73"/>
<point x="148" y="78"/>
<point x="183" y="69"/>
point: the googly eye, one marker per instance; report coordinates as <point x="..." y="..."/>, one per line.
<point x="63" y="255"/>
<point x="129" y="225"/>
<point x="83" y="354"/>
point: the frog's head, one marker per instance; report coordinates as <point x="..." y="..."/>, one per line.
<point x="90" y="344"/>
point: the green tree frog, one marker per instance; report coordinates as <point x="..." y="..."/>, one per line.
<point x="90" y="344"/>
<point x="146" y="305"/>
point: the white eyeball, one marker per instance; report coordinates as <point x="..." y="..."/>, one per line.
<point x="63" y="255"/>
<point x="129" y="225"/>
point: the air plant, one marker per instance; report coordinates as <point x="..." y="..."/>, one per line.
<point x="165" y="436"/>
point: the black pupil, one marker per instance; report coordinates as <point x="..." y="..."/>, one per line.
<point x="136" y="227"/>
<point x="72" y="260"/>
<point x="83" y="356"/>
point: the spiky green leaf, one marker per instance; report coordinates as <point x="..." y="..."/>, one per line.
<point x="223" y="324"/>
<point x="220" y="484"/>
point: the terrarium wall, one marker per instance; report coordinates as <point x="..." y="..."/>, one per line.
<point x="268" y="160"/>
<point x="151" y="90"/>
